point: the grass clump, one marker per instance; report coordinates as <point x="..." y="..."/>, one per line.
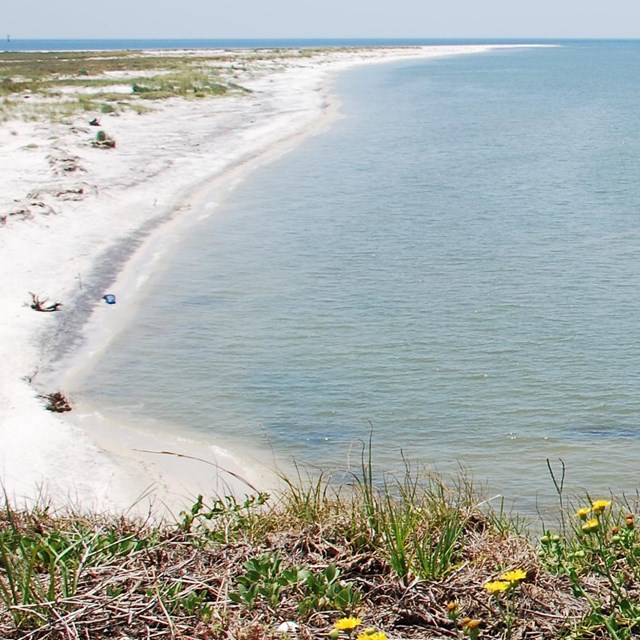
<point x="599" y="554"/>
<point x="188" y="83"/>
<point x="407" y="557"/>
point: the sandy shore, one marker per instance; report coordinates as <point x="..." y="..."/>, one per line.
<point x="77" y="222"/>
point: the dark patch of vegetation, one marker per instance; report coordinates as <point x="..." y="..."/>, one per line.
<point x="35" y="65"/>
<point x="103" y="141"/>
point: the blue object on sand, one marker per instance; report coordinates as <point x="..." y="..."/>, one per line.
<point x="109" y="298"/>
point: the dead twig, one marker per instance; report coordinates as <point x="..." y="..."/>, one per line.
<point x="41" y="305"/>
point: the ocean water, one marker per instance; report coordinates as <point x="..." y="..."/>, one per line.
<point x="17" y="44"/>
<point x="452" y="270"/>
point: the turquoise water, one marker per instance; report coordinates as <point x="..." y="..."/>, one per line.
<point x="453" y="265"/>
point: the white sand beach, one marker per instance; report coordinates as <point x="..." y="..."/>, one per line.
<point x="77" y="222"/>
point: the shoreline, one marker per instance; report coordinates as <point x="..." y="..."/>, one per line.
<point x="170" y="168"/>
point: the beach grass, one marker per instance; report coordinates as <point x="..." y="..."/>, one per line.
<point x="409" y="557"/>
<point x="51" y="86"/>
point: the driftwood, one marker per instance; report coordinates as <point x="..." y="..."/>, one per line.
<point x="41" y="305"/>
<point x="56" y="402"/>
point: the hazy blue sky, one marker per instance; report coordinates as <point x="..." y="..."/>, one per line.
<point x="315" y="18"/>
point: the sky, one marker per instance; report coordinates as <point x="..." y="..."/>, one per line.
<point x="80" y="19"/>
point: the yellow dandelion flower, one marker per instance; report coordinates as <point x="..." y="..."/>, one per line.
<point x="470" y="623"/>
<point x="347" y="624"/>
<point x="497" y="585"/>
<point x="591" y="525"/>
<point x="600" y="505"/>
<point x="471" y="627"/>
<point x="583" y="513"/>
<point x="452" y="610"/>
<point x="376" y="635"/>
<point x="514" y="576"/>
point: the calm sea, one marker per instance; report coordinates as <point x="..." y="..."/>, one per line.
<point x="14" y="44"/>
<point x="454" y="268"/>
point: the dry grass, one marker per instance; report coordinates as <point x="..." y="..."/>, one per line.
<point x="120" y="579"/>
<point x="54" y="85"/>
<point x="59" y="84"/>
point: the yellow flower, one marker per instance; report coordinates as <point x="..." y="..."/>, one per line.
<point x="583" y="513"/>
<point x="591" y="525"/>
<point x="347" y="624"/>
<point x="470" y="623"/>
<point x="514" y="576"/>
<point x="375" y="635"/>
<point x="600" y="505"/>
<point x="497" y="585"/>
<point x="471" y="627"/>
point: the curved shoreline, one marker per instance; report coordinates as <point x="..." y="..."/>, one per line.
<point x="162" y="178"/>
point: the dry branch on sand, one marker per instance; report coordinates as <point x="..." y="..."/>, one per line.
<point x="56" y="402"/>
<point x="42" y="304"/>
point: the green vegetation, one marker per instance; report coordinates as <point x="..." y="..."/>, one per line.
<point x="51" y="66"/>
<point x="600" y="557"/>
<point x="403" y="558"/>
<point x="57" y="85"/>
<point x="180" y="84"/>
